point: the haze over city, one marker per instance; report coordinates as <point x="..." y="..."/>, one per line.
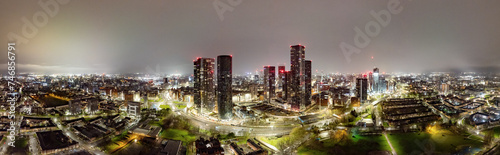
<point x="249" y="77"/>
<point x="128" y="36"/>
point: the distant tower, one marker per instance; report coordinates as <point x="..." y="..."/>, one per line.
<point x="224" y="89"/>
<point x="165" y="80"/>
<point x="269" y="82"/>
<point x="281" y="78"/>
<point x="370" y="81"/>
<point x="287" y="86"/>
<point x="376" y="80"/>
<point x="382" y="84"/>
<point x="204" y="93"/>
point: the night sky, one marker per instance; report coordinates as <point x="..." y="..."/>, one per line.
<point x="123" y="36"/>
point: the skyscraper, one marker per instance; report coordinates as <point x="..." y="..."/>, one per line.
<point x="287" y="86"/>
<point x="376" y="81"/>
<point x="224" y="89"/>
<point x="269" y="83"/>
<point x="370" y="81"/>
<point x="281" y="78"/>
<point x="298" y="84"/>
<point x="307" y="78"/>
<point x="204" y="93"/>
<point x="362" y="89"/>
<point x="382" y="84"/>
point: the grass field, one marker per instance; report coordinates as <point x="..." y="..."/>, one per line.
<point x="438" y="143"/>
<point x="180" y="106"/>
<point x="89" y="118"/>
<point x="21" y="142"/>
<point x="242" y="140"/>
<point x="164" y="106"/>
<point x="271" y="141"/>
<point x="176" y="134"/>
<point x="158" y="100"/>
<point x="356" y="145"/>
<point x="368" y="117"/>
<point x="116" y="141"/>
<point x="496" y="132"/>
<point x="21" y="146"/>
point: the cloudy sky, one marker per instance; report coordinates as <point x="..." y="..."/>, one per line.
<point x="123" y="36"/>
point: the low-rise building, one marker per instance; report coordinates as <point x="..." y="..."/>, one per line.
<point x="54" y="141"/>
<point x="171" y="147"/>
<point x="208" y="147"/>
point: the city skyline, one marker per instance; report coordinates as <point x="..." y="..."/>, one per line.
<point x="128" y="38"/>
<point x="234" y="77"/>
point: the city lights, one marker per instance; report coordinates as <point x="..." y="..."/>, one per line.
<point x="77" y="77"/>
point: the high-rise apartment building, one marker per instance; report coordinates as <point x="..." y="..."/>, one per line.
<point x="224" y="89"/>
<point x="269" y="83"/>
<point x="298" y="92"/>
<point x="204" y="92"/>
<point x="308" y="89"/>
<point x="281" y="78"/>
<point x="362" y="89"/>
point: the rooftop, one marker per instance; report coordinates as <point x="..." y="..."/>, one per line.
<point x="50" y="140"/>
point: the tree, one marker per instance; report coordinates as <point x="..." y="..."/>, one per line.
<point x="374" y="118"/>
<point x="339" y="136"/>
<point x="283" y="142"/>
<point x="230" y="135"/>
<point x="167" y="122"/>
<point x="354" y="113"/>
<point x="298" y="132"/>
<point x="315" y="129"/>
<point x="333" y="124"/>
